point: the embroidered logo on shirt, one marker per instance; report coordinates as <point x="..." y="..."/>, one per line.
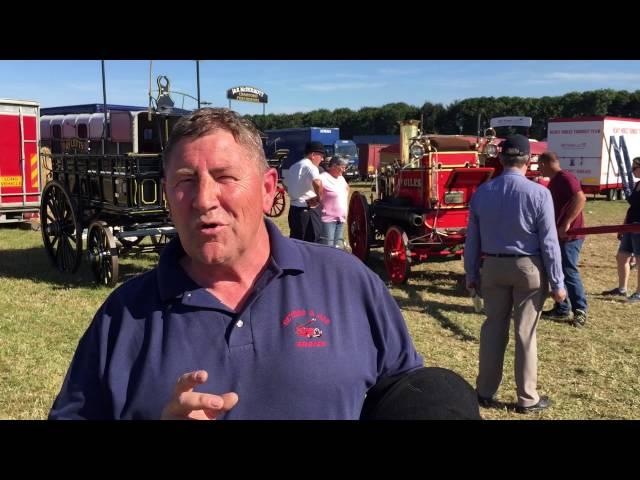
<point x="307" y="327"/>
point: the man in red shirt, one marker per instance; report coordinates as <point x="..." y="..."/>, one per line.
<point x="568" y="202"/>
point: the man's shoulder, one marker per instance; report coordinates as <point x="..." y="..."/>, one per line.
<point x="570" y="179"/>
<point x="140" y="289"/>
<point x="319" y="257"/>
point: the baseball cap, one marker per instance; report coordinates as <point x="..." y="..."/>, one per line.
<point x="516" y="145"/>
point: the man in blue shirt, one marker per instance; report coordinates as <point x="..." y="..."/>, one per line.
<point x="252" y="325"/>
<point x="511" y="255"/>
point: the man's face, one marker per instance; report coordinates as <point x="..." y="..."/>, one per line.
<point x="217" y="197"/>
<point x="543" y="167"/>
<point x="316" y="158"/>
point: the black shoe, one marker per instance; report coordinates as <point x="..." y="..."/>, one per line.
<point x="543" y="404"/>
<point x="553" y="314"/>
<point x="579" y="318"/>
<point x="490" y="402"/>
<point x="615" y="292"/>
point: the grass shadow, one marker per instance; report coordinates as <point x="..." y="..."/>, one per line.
<point x="34" y="264"/>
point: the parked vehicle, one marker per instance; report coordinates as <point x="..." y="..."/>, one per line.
<point x="592" y="148"/>
<point x="20" y="173"/>
<point x="421" y="204"/>
<point x="288" y="144"/>
<point x="499" y="129"/>
<point x="369" y="154"/>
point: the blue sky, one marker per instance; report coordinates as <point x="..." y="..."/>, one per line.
<point x="304" y="85"/>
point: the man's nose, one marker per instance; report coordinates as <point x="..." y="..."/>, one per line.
<point x="206" y="195"/>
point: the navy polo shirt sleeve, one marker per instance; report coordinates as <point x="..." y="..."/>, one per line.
<point x="396" y="353"/>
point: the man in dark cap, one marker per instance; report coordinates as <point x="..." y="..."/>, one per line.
<point x="511" y="255"/>
<point x="304" y="185"/>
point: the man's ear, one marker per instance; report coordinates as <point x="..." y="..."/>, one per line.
<point x="269" y="188"/>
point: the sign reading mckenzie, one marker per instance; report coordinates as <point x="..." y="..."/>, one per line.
<point x="247" y="94"/>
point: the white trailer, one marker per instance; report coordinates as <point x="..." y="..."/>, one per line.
<point x="585" y="148"/>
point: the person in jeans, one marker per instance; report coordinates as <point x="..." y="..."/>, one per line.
<point x="629" y="243"/>
<point x="335" y="197"/>
<point x="511" y="255"/>
<point x="568" y="203"/>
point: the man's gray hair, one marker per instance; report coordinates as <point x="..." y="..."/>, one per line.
<point x="513" y="160"/>
<point x="205" y="121"/>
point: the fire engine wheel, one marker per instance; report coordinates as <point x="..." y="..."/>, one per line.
<point x="396" y="259"/>
<point x="279" y="202"/>
<point x="359" y="228"/>
<point x="61" y="230"/>
<point x="103" y="254"/>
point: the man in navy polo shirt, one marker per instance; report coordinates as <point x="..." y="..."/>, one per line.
<point x="237" y="321"/>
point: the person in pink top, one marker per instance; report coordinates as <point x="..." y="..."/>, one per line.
<point x="335" y="197"/>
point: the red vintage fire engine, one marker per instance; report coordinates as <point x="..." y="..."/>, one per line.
<point x="489" y="146"/>
<point x="422" y="201"/>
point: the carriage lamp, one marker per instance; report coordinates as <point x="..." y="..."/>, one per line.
<point x="491" y="150"/>
<point x="416" y="151"/>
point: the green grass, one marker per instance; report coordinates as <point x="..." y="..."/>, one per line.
<point x="589" y="373"/>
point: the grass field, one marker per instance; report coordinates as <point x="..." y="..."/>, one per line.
<point x="590" y="373"/>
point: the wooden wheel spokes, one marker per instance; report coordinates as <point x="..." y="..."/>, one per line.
<point x="279" y="202"/>
<point x="61" y="231"/>
<point x="358" y="224"/>
<point x="103" y="254"/>
<point x="396" y="259"/>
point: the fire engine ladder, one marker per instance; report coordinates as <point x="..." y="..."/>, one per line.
<point x="22" y="158"/>
<point x="626" y="174"/>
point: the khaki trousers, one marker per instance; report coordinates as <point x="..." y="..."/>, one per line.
<point x="518" y="287"/>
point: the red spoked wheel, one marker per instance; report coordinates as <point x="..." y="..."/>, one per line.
<point x="279" y="202"/>
<point x="359" y="226"/>
<point x="397" y="255"/>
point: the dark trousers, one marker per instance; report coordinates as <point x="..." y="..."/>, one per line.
<point x="305" y="224"/>
<point x="576" y="297"/>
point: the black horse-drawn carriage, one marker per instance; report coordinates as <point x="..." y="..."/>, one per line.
<point x="108" y="186"/>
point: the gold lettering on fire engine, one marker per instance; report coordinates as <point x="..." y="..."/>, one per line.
<point x="412" y="182"/>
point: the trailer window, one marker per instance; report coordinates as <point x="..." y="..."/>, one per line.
<point x="82" y="131"/>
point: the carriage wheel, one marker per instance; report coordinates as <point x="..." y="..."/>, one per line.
<point x="279" y="203"/>
<point x="61" y="230"/>
<point x="103" y="254"/>
<point x="359" y="229"/>
<point x="396" y="257"/>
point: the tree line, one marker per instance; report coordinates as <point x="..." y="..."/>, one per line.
<point x="461" y="116"/>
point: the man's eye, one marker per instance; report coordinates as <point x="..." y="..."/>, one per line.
<point x="226" y="178"/>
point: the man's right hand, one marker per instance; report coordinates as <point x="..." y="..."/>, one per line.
<point x="559" y="295"/>
<point x="313" y="202"/>
<point x="189" y="405"/>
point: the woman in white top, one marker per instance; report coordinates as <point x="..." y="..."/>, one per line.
<point x="335" y="195"/>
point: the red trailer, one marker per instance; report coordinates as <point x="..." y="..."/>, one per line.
<point x="20" y="186"/>
<point x="369" y="154"/>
